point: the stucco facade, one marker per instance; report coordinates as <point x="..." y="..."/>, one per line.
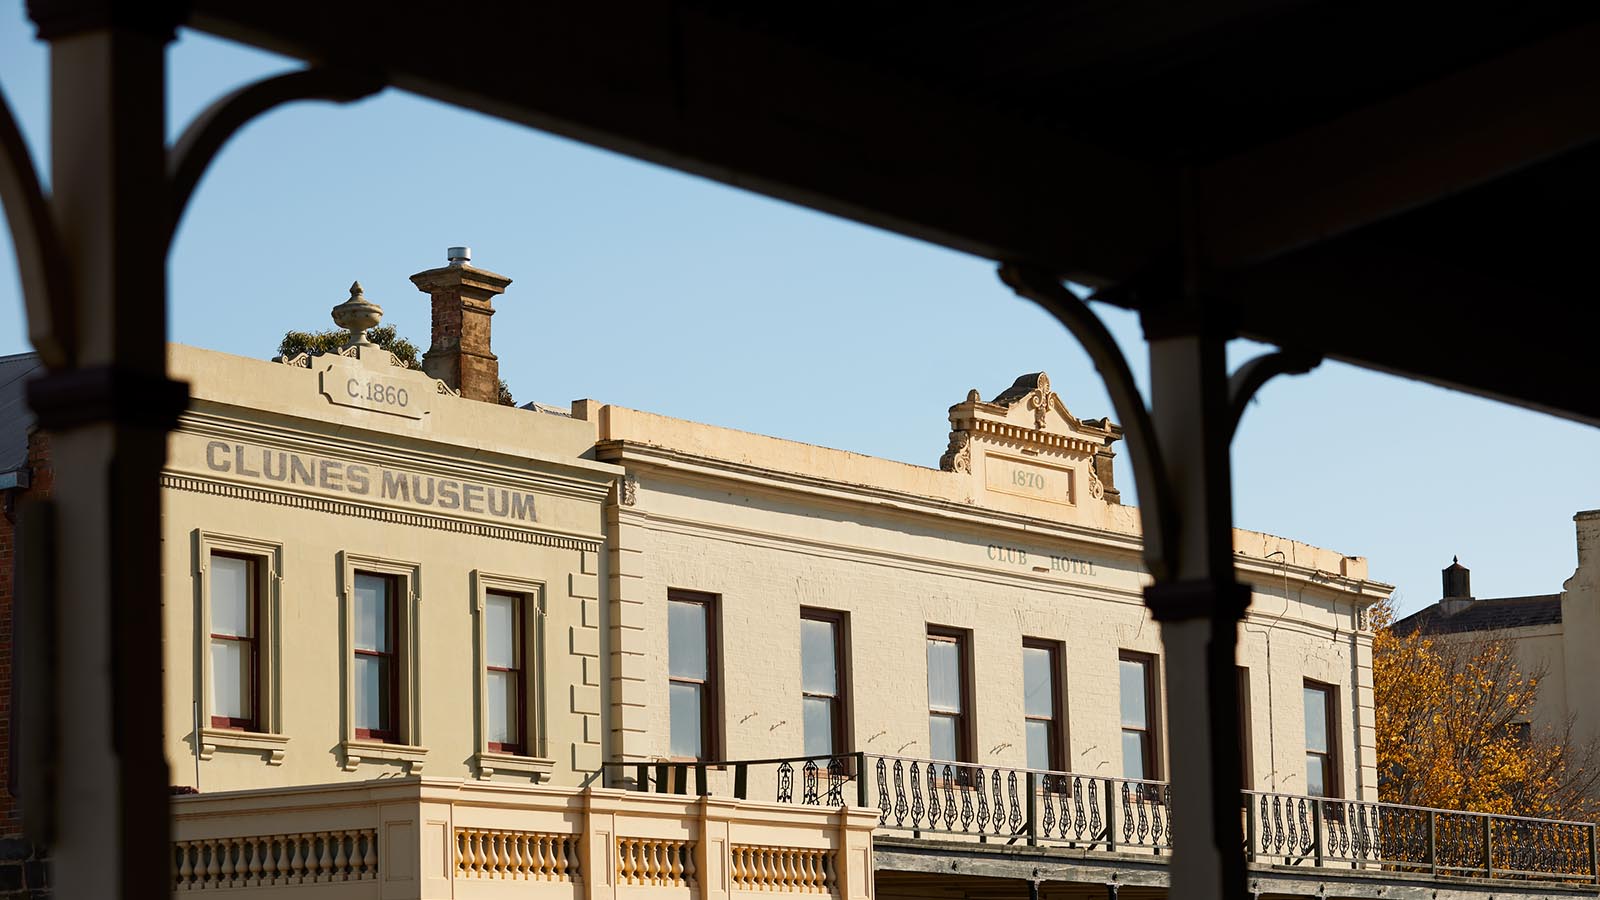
<point x="278" y="462"/>
<point x="334" y="472"/>
<point x="1553" y="635"/>
<point x="770" y="527"/>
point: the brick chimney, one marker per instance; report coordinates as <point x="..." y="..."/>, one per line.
<point x="463" y="300"/>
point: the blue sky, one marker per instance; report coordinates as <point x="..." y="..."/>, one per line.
<point x="646" y="287"/>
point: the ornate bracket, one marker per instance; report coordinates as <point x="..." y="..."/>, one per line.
<point x="1243" y="383"/>
<point x="41" y="261"/>
<point x="189" y="158"/>
<point x="1155" y="492"/>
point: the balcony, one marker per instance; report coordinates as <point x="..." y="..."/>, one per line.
<point x="440" y="838"/>
<point x="938" y="818"/>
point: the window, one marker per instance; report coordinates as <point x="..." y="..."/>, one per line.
<point x="1041" y="703"/>
<point x="382" y="712"/>
<point x="1139" y="758"/>
<point x="1522" y="733"/>
<point x="376" y="667"/>
<point x="691" y="670"/>
<point x="504" y="673"/>
<point x="1321" y="706"/>
<point x="235" y="628"/>
<point x="508" y="640"/>
<point x="822" y="678"/>
<point x="236" y="652"/>
<point x="1247" y="774"/>
<point x="949" y="696"/>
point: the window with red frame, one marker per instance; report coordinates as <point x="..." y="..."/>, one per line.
<point x="235" y="659"/>
<point x="949" y="695"/>
<point x="1042" y="707"/>
<point x="1322" y="730"/>
<point x="376" y="663"/>
<point x="504" y="674"/>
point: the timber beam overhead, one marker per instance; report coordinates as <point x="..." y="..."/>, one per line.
<point x="1256" y="140"/>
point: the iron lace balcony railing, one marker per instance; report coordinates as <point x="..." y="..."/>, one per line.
<point x="999" y="804"/>
<point x="1322" y="831"/>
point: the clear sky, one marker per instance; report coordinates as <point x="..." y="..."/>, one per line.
<point x="646" y="287"/>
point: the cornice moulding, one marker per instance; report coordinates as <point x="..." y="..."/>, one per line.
<point x="692" y="467"/>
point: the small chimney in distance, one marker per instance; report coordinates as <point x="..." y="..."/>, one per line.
<point x="463" y="301"/>
<point x="1457" y="588"/>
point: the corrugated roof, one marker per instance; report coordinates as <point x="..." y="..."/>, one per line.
<point x="15" y="417"/>
<point x="1494" y="614"/>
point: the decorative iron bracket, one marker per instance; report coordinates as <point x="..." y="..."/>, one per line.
<point x="41" y="261"/>
<point x="1244" y="382"/>
<point x="1155" y="491"/>
<point x="199" y="144"/>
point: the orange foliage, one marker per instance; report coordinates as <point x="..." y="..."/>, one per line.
<point x="1448" y="709"/>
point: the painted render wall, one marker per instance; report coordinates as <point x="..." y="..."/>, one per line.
<point x="900" y="547"/>
<point x="768" y="525"/>
<point x="1580" y="620"/>
<point x="1543" y="648"/>
<point x="1566" y="650"/>
<point x="281" y="408"/>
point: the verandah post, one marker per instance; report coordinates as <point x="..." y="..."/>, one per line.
<point x="1111" y="815"/>
<point x="861" y="778"/>
<point x="1033" y="809"/>
<point x="1316" y="829"/>
<point x="1488" y="846"/>
<point x="1433" y="841"/>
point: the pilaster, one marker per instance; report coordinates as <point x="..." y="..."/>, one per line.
<point x="627" y="543"/>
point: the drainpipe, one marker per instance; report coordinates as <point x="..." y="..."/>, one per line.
<point x="1272" y="735"/>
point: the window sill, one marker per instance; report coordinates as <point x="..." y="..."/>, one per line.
<point x="490" y="763"/>
<point x="273" y="745"/>
<point x="358" y="751"/>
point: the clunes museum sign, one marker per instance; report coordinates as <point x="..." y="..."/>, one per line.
<point x="301" y="471"/>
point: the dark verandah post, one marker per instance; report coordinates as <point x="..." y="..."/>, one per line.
<point x="861" y="778"/>
<point x="1488" y="846"/>
<point x="1200" y="603"/>
<point x="107" y="407"/>
<point x="1433" y="842"/>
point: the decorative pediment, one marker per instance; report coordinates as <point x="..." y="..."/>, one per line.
<point x="356" y="315"/>
<point x="1027" y="424"/>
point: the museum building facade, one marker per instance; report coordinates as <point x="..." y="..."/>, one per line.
<point x="422" y="645"/>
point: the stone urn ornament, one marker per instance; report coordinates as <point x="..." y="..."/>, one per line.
<point x="356" y="315"/>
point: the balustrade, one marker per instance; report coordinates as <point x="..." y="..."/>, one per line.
<point x="1025" y="806"/>
<point x="1292" y="829"/>
<point x="516" y="855"/>
<point x="655" y="861"/>
<point x="280" y="859"/>
<point x="793" y="869"/>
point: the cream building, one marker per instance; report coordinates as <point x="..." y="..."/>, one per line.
<point x="1014" y="559"/>
<point x="1553" y="634"/>
<point x="419" y="645"/>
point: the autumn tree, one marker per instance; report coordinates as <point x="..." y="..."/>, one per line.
<point x="1450" y="711"/>
<point x="387" y="337"/>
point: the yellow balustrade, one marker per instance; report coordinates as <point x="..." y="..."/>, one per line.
<point x="420" y="837"/>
